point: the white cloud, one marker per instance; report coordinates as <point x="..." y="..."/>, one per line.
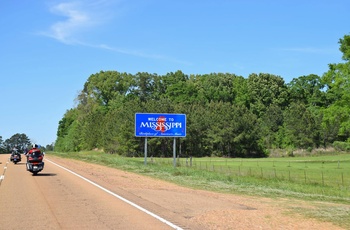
<point x="78" y="16"/>
<point x="140" y="54"/>
<point x="75" y="20"/>
<point x="81" y="16"/>
<point x="129" y="52"/>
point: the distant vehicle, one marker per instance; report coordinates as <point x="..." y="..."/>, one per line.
<point x="15" y="157"/>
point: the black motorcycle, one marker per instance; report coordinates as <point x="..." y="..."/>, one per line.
<point x="15" y="157"/>
<point x="35" y="162"/>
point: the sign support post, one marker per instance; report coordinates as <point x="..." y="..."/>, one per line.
<point x="145" y="150"/>
<point x="174" y="152"/>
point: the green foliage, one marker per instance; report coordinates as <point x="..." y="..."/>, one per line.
<point x="342" y="146"/>
<point x="67" y="128"/>
<point x="20" y="141"/>
<point x="265" y="90"/>
<point x="227" y="115"/>
<point x="307" y="90"/>
<point x="2" y="147"/>
<point x="301" y="130"/>
<point x="345" y="47"/>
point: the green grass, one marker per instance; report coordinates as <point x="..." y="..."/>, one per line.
<point x="313" y="179"/>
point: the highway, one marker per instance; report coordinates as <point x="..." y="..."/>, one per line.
<point x="59" y="199"/>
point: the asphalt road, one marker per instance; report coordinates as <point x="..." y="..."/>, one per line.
<point x="58" y="199"/>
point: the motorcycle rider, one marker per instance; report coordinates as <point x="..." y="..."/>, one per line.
<point x="35" y="149"/>
<point x="35" y="159"/>
<point x="15" y="152"/>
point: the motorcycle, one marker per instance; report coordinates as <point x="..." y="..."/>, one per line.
<point x="15" y="157"/>
<point x="35" y="162"/>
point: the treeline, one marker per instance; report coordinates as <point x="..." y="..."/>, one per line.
<point x="21" y="142"/>
<point x="227" y="115"/>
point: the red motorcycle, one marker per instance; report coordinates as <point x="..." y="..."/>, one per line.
<point x="35" y="162"/>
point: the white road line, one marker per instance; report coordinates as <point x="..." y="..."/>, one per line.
<point x="120" y="197"/>
<point x="2" y="177"/>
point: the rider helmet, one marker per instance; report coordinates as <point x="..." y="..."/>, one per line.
<point x="34" y="145"/>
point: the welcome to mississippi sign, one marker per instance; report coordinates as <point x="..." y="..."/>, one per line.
<point x="160" y="125"/>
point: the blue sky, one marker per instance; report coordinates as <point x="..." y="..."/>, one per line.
<point x="49" y="48"/>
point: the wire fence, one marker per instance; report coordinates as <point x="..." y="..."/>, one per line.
<point x="334" y="173"/>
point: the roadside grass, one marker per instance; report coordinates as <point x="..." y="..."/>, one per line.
<point x="319" y="178"/>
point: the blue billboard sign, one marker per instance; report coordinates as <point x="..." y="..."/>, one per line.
<point x="160" y="125"/>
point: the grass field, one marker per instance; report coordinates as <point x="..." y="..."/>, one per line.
<point x="316" y="178"/>
<point x="325" y="171"/>
<point x="319" y="178"/>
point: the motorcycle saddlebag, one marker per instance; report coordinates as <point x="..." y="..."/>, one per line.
<point x="35" y="167"/>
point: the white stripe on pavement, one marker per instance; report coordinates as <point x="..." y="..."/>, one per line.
<point x="120" y="197"/>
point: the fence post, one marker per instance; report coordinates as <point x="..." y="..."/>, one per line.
<point x="289" y="174"/>
<point x="322" y="178"/>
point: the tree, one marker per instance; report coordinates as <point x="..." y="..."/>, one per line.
<point x="66" y="131"/>
<point x="118" y="129"/>
<point x="307" y="90"/>
<point x="264" y="90"/>
<point x="245" y="133"/>
<point x="345" y="47"/>
<point x="197" y="126"/>
<point x="270" y="124"/>
<point x="2" y="148"/>
<point x="227" y="115"/>
<point x="49" y="147"/>
<point x="337" y="82"/>
<point x="330" y="125"/>
<point x="144" y="86"/>
<point x="301" y="130"/>
<point x="20" y="141"/>
<point x="103" y="86"/>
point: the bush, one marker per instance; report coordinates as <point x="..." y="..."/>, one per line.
<point x="341" y="146"/>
